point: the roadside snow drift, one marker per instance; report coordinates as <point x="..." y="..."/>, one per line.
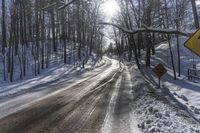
<point x="185" y="91"/>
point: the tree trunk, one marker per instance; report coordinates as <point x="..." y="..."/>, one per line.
<point x="42" y="19"/>
<point x="148" y="50"/>
<point x="134" y="50"/>
<point x="172" y="57"/>
<point x="53" y="31"/>
<point x="195" y="14"/>
<point x="178" y="51"/>
<point x="4" y="39"/>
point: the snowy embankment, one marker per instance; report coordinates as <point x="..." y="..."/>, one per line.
<point x="56" y="71"/>
<point x="156" y="110"/>
<point x="187" y="93"/>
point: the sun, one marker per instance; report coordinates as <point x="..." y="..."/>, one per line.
<point x="198" y="2"/>
<point x="110" y="8"/>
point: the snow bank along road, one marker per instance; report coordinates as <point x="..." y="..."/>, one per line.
<point x="97" y="101"/>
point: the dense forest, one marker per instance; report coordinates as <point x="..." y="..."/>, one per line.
<point x="34" y="32"/>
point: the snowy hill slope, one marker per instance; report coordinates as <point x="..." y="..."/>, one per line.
<point x="57" y="69"/>
<point x="185" y="91"/>
<point x="156" y="110"/>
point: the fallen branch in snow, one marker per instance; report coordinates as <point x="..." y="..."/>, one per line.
<point x="150" y="29"/>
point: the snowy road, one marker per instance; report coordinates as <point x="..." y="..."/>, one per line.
<point x="97" y="101"/>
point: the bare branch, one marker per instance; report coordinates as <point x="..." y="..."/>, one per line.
<point x="49" y="6"/>
<point x="52" y="5"/>
<point x="149" y="29"/>
<point x="66" y="5"/>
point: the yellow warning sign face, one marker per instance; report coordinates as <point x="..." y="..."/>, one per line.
<point x="193" y="43"/>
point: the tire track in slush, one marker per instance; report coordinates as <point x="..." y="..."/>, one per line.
<point x="79" y="118"/>
<point x="120" y="117"/>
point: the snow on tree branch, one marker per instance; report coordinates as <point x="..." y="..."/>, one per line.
<point x="149" y="29"/>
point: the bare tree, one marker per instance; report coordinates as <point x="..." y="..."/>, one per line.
<point x="4" y="39"/>
<point x="195" y="14"/>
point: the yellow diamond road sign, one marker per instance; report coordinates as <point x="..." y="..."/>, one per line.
<point x="193" y="43"/>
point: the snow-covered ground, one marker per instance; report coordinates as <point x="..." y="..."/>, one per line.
<point x="187" y="93"/>
<point x="156" y="110"/>
<point x="56" y="70"/>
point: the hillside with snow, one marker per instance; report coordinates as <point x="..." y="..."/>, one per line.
<point x="186" y="92"/>
<point x="57" y="70"/>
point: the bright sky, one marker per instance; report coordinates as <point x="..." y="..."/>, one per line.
<point x="198" y="1"/>
<point x="110" y="8"/>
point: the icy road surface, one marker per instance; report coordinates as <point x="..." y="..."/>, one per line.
<point x="96" y="101"/>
